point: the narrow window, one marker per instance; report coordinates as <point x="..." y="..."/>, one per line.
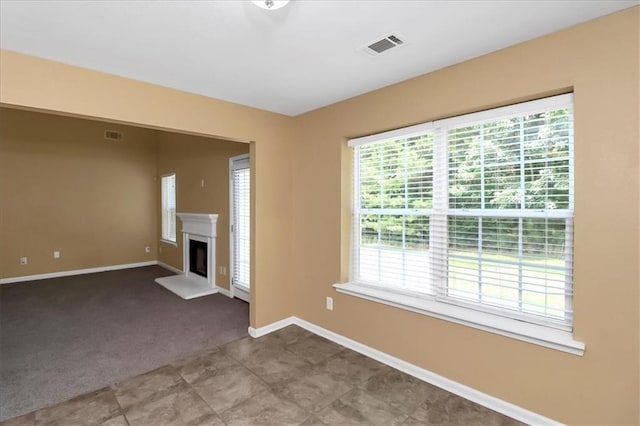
<point x="168" y="184"/>
<point x="241" y="224"/>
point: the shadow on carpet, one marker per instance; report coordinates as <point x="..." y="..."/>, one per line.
<point x="63" y="337"/>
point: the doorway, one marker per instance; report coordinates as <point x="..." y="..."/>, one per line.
<point x="240" y="220"/>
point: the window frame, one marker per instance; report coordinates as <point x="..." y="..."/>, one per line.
<point x="240" y="163"/>
<point x="500" y="321"/>
<point x="165" y="236"/>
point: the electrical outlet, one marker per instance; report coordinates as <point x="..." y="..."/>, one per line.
<point x="222" y="270"/>
<point x="330" y="303"/>
<point x="23" y="260"/>
<point x="56" y="254"/>
<point x="147" y="249"/>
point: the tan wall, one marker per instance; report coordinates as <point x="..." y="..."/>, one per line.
<point x="195" y="159"/>
<point x="599" y="60"/>
<point x="301" y="197"/>
<point x="34" y="83"/>
<point x="64" y="187"/>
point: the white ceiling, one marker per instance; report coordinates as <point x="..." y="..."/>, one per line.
<point x="296" y="59"/>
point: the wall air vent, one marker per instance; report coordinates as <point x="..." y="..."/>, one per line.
<point x="384" y="44"/>
<point x="113" y="135"/>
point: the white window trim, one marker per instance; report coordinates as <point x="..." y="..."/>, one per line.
<point x="520" y="330"/>
<point x="237" y="162"/>
<point x="545" y="104"/>
<point x="173" y="243"/>
<point x="540" y="334"/>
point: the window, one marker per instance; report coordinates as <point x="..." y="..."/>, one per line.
<point x="241" y="224"/>
<point x="471" y="219"/>
<point x="168" y="183"/>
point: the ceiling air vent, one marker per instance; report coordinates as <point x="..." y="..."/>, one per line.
<point x="383" y="44"/>
<point x="113" y="135"/>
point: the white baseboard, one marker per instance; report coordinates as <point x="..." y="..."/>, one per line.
<point x="221" y="290"/>
<point x="449" y="385"/>
<point x="76" y="272"/>
<point x="169" y="267"/>
<point x="241" y="293"/>
<point x="224" y="291"/>
<point x="258" y="332"/>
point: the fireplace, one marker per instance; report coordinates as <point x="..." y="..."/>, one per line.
<point x="198" y="257"/>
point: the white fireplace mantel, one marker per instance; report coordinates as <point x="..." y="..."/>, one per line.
<point x="188" y="285"/>
<point x="199" y="223"/>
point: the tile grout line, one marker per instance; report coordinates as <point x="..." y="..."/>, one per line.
<point x="191" y="387"/>
<point x="268" y="385"/>
<point x="313" y="413"/>
<point x="239" y="362"/>
<point x="124" y="415"/>
<point x="216" y="350"/>
<point x="271" y="386"/>
<point x="362" y="388"/>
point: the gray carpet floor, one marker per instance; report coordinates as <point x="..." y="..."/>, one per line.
<point x="63" y="337"/>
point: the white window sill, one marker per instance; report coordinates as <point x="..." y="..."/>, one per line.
<point x="171" y="243"/>
<point x="520" y="330"/>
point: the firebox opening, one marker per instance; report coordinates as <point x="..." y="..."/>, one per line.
<point x="198" y="257"/>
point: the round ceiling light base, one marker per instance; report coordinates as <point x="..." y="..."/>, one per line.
<point x="270" y="4"/>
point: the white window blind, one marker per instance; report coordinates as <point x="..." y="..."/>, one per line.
<point x="168" y="195"/>
<point x="240" y="175"/>
<point x="476" y="211"/>
<point x="394" y="207"/>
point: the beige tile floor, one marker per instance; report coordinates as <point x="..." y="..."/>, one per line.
<point x="290" y="377"/>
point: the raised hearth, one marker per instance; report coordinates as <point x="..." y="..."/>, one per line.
<point x="198" y="257"/>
